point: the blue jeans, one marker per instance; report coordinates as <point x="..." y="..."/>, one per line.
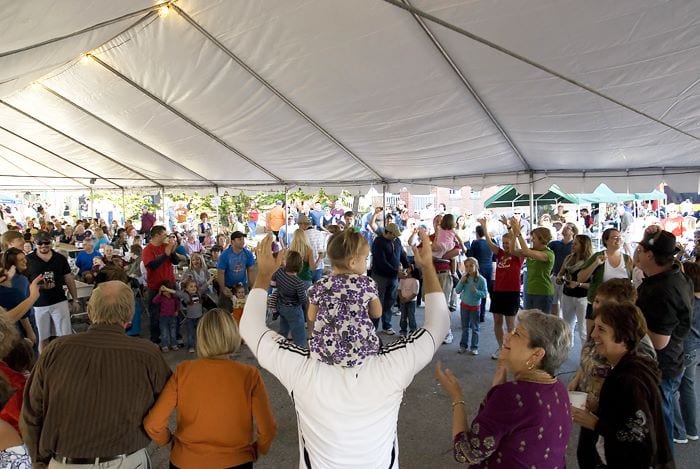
<point x="386" y="288"/>
<point x="192" y="332"/>
<point x="669" y="388"/>
<point x="408" y="316"/>
<point x="252" y="228"/>
<point x="168" y="328"/>
<point x="470" y="320"/>
<point x="316" y="275"/>
<point x="541" y="302"/>
<point x="684" y="417"/>
<point x="292" y="319"/>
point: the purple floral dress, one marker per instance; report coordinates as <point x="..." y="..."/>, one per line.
<point x="519" y="424"/>
<point x="343" y="333"/>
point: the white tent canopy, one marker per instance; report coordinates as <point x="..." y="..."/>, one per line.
<point x="274" y="93"/>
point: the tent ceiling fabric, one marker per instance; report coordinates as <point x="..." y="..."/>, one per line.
<point x="272" y="93"/>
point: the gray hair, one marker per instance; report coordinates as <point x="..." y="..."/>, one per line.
<point x="549" y="333"/>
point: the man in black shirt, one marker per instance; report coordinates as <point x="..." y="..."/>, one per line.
<point x="52" y="305"/>
<point x="665" y="298"/>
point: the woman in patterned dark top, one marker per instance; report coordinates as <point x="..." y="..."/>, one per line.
<point x="629" y="416"/>
<point x="341" y="305"/>
<point x="524" y="422"/>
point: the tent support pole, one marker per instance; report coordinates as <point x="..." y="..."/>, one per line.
<point x="532" y="198"/>
<point x="386" y="213"/>
<point x="162" y="205"/>
<point x="286" y="216"/>
<point x="92" y="203"/>
<point x="123" y="208"/>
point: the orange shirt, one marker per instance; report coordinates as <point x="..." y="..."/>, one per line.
<point x="216" y="401"/>
<point x="276" y="218"/>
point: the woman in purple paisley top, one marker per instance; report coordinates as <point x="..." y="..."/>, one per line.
<point x="342" y="304"/>
<point x="524" y="422"/>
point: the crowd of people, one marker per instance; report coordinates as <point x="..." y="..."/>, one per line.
<point x="329" y="282"/>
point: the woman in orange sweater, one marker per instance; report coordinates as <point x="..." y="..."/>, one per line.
<point x="216" y="399"/>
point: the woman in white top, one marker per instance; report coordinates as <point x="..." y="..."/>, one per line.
<point x="603" y="266"/>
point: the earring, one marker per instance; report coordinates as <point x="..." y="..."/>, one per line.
<point x="530" y="365"/>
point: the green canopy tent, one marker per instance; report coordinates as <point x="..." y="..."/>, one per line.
<point x="508" y="196"/>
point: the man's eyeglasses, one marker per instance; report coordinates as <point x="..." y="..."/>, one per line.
<point x="44" y="243"/>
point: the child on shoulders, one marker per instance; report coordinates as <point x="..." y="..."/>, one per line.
<point x="341" y="305"/>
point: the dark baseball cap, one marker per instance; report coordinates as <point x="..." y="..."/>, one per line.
<point x="661" y="243"/>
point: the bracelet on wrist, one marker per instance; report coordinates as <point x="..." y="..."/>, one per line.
<point x="457" y="403"/>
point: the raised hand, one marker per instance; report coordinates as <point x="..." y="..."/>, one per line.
<point x="267" y="262"/>
<point x="423" y="254"/>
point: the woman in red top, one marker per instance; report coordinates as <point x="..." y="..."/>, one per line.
<point x="505" y="300"/>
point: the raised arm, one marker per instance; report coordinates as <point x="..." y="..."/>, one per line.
<point x="524" y="249"/>
<point x="437" y="317"/>
<point x="492" y="246"/>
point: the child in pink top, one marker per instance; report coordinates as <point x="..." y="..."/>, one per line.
<point x="169" y="307"/>
<point x="447" y="244"/>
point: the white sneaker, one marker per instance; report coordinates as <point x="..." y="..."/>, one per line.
<point x="693" y="437"/>
<point x="474" y="352"/>
<point x="680" y="441"/>
<point x="449" y="338"/>
<point x="389" y="331"/>
<point x="496" y="354"/>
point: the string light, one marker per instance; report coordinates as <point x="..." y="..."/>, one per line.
<point x="85" y="59"/>
<point x="164" y="11"/>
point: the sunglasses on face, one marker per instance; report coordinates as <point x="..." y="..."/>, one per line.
<point x="43" y="243"/>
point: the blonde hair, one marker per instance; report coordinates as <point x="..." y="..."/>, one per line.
<point x="9" y="236"/>
<point x="475" y="262"/>
<point x="112" y="302"/>
<point x="217" y="334"/>
<point x="300" y="244"/>
<point x="343" y="246"/>
<point x="543" y="233"/>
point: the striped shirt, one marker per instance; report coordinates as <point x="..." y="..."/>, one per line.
<point x="291" y="290"/>
<point x="88" y="394"/>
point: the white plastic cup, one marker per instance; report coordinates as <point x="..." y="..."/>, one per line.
<point x="578" y="399"/>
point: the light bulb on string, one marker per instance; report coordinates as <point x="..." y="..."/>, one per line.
<point x="164" y="11"/>
<point x="85" y="59"/>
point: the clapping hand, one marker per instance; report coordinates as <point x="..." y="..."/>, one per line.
<point x="267" y="262"/>
<point x="504" y="220"/>
<point x="515" y="226"/>
<point x="449" y="382"/>
<point x="423" y="254"/>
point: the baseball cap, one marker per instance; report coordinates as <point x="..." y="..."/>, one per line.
<point x="393" y="228"/>
<point x="661" y="243"/>
<point x="303" y="220"/>
<point x="237" y="234"/>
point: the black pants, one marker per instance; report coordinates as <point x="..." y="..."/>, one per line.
<point x="586" y="452"/>
<point x="153" y="316"/>
<point x="248" y="465"/>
